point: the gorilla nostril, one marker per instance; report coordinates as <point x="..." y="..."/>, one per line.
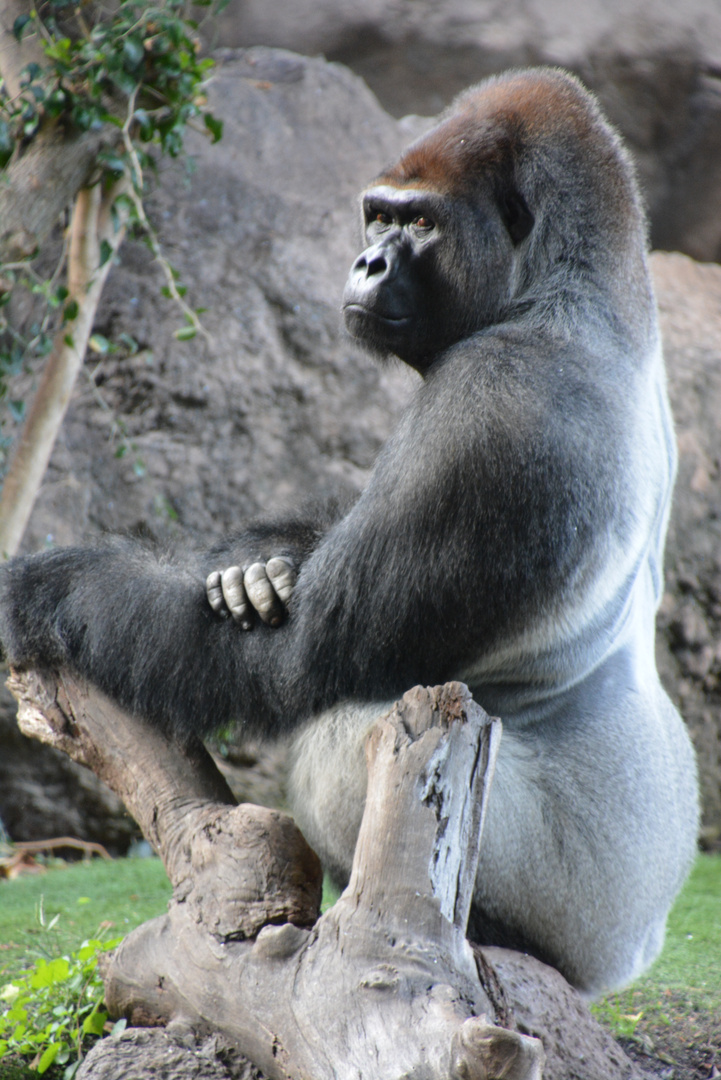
<point x="376" y="266"/>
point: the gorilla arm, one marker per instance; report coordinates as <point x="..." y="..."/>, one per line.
<point x="463" y="530"/>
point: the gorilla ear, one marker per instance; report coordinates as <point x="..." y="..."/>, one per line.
<point x="517" y="218"/>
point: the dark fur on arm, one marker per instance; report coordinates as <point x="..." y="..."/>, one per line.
<point x="432" y="566"/>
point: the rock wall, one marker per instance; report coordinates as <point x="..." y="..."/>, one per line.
<point x="655" y="64"/>
<point x="689" y="638"/>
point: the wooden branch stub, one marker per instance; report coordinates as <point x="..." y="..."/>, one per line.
<point x="442" y="757"/>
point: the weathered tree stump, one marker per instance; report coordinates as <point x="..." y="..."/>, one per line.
<point x="384" y="985"/>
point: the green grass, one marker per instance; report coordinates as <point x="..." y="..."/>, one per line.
<point x="111" y="896"/>
<point x="126" y="892"/>
<point x="672" y="1016"/>
<point x="692" y="955"/>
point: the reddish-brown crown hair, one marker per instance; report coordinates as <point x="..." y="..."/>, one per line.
<point x="489" y="126"/>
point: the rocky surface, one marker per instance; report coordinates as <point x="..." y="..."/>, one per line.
<point x="193" y="437"/>
<point x="689" y="639"/>
<point x="655" y="64"/>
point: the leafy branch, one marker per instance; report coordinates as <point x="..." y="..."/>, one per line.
<point x="125" y="84"/>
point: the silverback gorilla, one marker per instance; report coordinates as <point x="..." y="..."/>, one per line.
<point x="511" y="536"/>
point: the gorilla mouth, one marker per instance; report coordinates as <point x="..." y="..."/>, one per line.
<point x="355" y="310"/>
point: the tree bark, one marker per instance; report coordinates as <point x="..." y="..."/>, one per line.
<point x="42" y="180"/>
<point x="384" y="984"/>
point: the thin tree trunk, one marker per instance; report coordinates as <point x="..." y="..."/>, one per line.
<point x="92" y="224"/>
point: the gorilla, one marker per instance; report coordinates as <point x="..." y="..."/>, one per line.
<point x="510" y="536"/>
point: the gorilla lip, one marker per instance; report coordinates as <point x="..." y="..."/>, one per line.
<point x="359" y="309"/>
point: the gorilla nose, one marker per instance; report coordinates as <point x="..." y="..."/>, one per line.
<point x="371" y="263"/>
<point x="376" y="266"/>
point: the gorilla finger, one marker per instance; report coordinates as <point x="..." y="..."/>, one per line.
<point x="282" y="576"/>
<point x="261" y="594"/>
<point x="235" y="596"/>
<point x="214" y="593"/>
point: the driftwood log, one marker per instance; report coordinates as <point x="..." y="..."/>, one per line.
<point x="384" y="984"/>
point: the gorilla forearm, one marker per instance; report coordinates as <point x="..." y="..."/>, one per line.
<point x="136" y="623"/>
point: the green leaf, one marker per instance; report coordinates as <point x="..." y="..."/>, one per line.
<point x="186" y="333"/>
<point x="61" y="50"/>
<point x="47" y="973"/>
<point x="29" y="73"/>
<point x="114" y="163"/>
<point x="133" y="52"/>
<point x="214" y="126"/>
<point x="48" y="1057"/>
<point x="106" y="251"/>
<point x="129" y="342"/>
<point x="20" y="24"/>
<point x="99" y="344"/>
<point x="7" y="143"/>
<point x="95" y="1023"/>
<point x="124" y="81"/>
<point x="55" y="102"/>
<point x="17" y="410"/>
<point x="86" y="116"/>
<point x="70" y="311"/>
<point x="9" y="992"/>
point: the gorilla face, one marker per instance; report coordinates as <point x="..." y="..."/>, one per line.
<point x="437" y="268"/>
<point x="390" y="284"/>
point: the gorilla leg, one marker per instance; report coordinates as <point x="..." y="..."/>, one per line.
<point x="581" y="853"/>
<point x="327" y="781"/>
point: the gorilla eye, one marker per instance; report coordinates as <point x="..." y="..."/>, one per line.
<point x="381" y="218"/>
<point x="423" y="222"/>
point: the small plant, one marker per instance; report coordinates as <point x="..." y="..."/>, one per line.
<point x="50" y="1011"/>
<point x="613" y="1012"/>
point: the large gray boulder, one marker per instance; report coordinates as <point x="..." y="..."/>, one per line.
<point x="655" y="64"/>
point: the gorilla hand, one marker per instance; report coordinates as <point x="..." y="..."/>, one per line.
<point x="261" y="587"/>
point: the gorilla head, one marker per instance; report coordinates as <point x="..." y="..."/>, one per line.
<point x="522" y="180"/>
